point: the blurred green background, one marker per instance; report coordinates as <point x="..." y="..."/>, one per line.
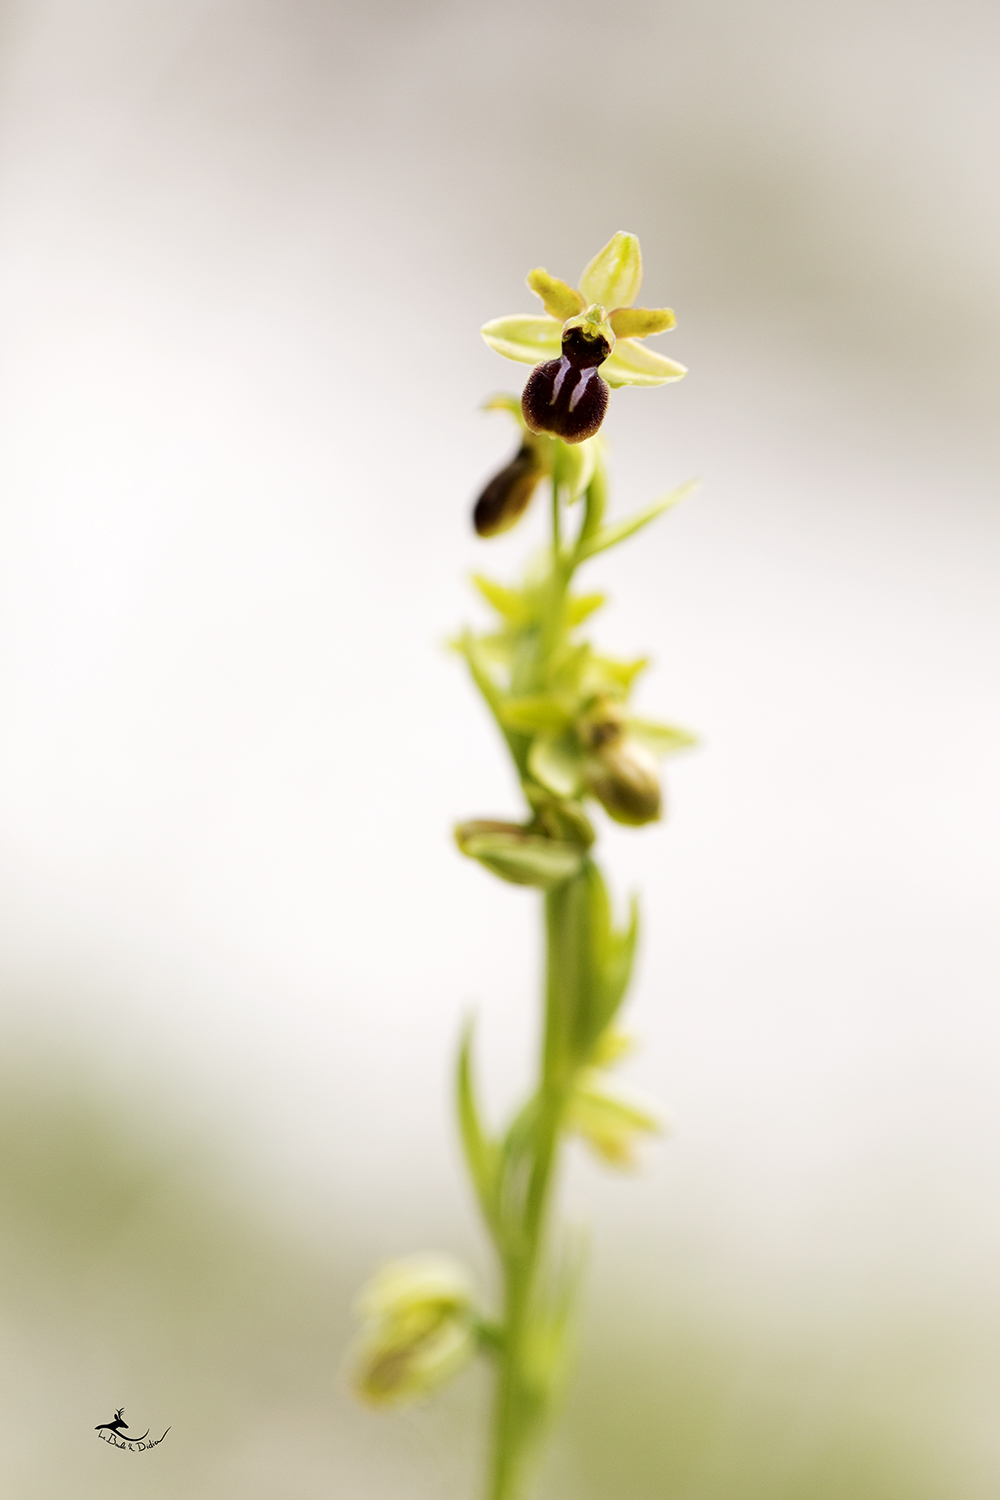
<point x="133" y="1264"/>
<point x="246" y="247"/>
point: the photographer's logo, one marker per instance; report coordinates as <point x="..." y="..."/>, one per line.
<point x="113" y="1432"/>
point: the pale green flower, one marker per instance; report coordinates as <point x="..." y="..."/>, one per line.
<point x="611" y="1123"/>
<point x="420" y="1329"/>
<point x="608" y="288"/>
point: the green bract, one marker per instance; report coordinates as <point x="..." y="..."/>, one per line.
<point x="609" y="284"/>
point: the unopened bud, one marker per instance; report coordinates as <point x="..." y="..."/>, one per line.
<point x="419" y="1317"/>
<point x="506" y="497"/>
<point x="625" y="780"/>
<point x="603" y="724"/>
<point x="523" y="858"/>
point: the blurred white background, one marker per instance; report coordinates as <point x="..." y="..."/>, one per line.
<point x="246" y="247"/>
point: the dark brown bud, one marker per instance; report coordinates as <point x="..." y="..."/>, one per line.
<point x="625" y="780"/>
<point x="506" y="497"/>
<point x="566" y="396"/>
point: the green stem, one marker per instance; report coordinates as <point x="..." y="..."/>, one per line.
<point x="521" y="1402"/>
<point x="556" y="516"/>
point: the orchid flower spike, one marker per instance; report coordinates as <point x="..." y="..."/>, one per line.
<point x="585" y="330"/>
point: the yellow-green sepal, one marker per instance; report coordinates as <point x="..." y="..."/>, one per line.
<point x="634" y="364"/>
<point x="610" y="1123"/>
<point x="614" y="276"/>
<point x="660" y="739"/>
<point x="559" y="299"/>
<point x="528" y="338"/>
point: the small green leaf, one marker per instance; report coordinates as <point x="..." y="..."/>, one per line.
<point x="610" y="536"/>
<point x="538" y="713"/>
<point x="614" y="276"/>
<point x="518" y="856"/>
<point x="634" y="364"/>
<point x="557" y="763"/>
<point x="496" y="650"/>
<point x="607" y="671"/>
<point x="641" y="322"/>
<point x="510" y="603"/>
<point x="477" y="660"/>
<point x="528" y="339"/>
<point x="660" y="739"/>
<point x="481" y="1154"/>
<point x="581" y="605"/>
<point x="616" y="966"/>
<point x="611" y="1047"/>
<point x="516" y="1154"/>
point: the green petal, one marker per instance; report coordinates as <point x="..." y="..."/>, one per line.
<point x="527" y="337"/>
<point x="609" y="1123"/>
<point x="660" y="739"/>
<point x="560" y="300"/>
<point x="614" y="276"/>
<point x="634" y="364"/>
<point x="436" y="1281"/>
<point x="640" y="322"/>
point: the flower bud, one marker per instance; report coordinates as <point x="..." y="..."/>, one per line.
<point x="620" y="773"/>
<point x="566" y="396"/>
<point x="419" y="1316"/>
<point x="505" y="498"/>
<point x="523" y="858"/>
<point x="624" y="779"/>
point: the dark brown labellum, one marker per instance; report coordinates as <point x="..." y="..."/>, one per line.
<point x="566" y="396"/>
<point x="505" y="498"/>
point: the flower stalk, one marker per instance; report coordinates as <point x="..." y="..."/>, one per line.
<point x="563" y="710"/>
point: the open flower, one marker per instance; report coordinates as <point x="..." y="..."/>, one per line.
<point x="585" y="329"/>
